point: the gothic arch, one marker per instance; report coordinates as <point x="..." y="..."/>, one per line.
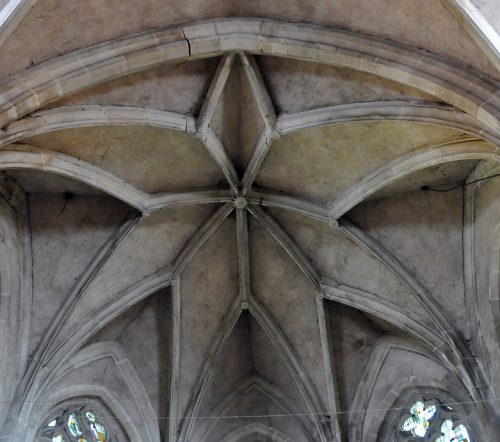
<point x="374" y="410"/>
<point x="256" y="429"/>
<point x="142" y="429"/>
<point x="75" y="71"/>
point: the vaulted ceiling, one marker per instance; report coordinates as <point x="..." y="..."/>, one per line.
<point x="247" y="228"/>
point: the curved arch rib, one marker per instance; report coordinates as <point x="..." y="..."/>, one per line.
<point x="292" y="361"/>
<point x="291" y="203"/>
<point x="113" y="350"/>
<point x="380" y="307"/>
<point x="419" y="111"/>
<point x="129" y="296"/>
<point x="453" y="351"/>
<point x="288" y="244"/>
<point x="263" y="388"/>
<point x="28" y="157"/>
<point x="69" y="117"/>
<point x="417" y="68"/>
<point x="409" y="163"/>
<point x="53" y="353"/>
<point x="224" y="331"/>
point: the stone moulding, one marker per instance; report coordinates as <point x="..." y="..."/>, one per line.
<point x="463" y="88"/>
<point x="256" y="428"/>
<point x="260" y="386"/>
<point x="140" y="429"/>
<point x="24" y="156"/>
<point x="452" y="350"/>
<point x="420" y="111"/>
<point x="360" y="427"/>
<point x="411" y="162"/>
<point x="282" y="346"/>
<point x="476" y="104"/>
<point x="94" y="115"/>
<point x="16" y="289"/>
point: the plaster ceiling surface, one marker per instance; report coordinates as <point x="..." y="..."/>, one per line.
<point x="302" y="163"/>
<point x="139" y="155"/>
<point x="173" y="87"/>
<point x="250" y="231"/>
<point x="297" y="86"/>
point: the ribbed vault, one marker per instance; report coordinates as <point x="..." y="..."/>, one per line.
<point x="229" y="220"/>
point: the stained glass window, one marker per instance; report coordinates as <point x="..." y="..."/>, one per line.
<point x="419" y="420"/>
<point x="76" y="424"/>
<point x="73" y="425"/>
<point x="98" y="429"/>
<point x="432" y="419"/>
<point x="453" y="433"/>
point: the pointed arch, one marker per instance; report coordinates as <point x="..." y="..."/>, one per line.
<point x="256" y="428"/>
<point x="67" y="74"/>
<point x="292" y="361"/>
<point x="262" y="387"/>
<point x="53" y="352"/>
<point x="452" y="349"/>
<point x="137" y="416"/>
<point x="361" y="412"/>
<point x="284" y="349"/>
<point x="224" y="331"/>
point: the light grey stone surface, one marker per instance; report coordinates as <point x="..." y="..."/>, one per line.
<point x="152" y="159"/>
<point x="433" y="248"/>
<point x="355" y="336"/>
<point x="176" y="88"/>
<point x="289" y="298"/>
<point x="236" y="119"/>
<point x="428" y="24"/>
<point x="298" y="86"/>
<point x="280" y="275"/>
<point x="337" y="257"/>
<point x="208" y="285"/>
<point x="321" y="163"/>
<point x="66" y="234"/>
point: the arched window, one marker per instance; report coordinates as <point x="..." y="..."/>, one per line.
<point x="77" y="423"/>
<point x="434" y="419"/>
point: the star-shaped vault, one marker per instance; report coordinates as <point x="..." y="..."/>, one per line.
<point x="246" y="282"/>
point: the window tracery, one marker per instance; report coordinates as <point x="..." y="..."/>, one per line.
<point x="434" y="420"/>
<point x="78" y="423"/>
